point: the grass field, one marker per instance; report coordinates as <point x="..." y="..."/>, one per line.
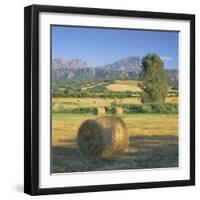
<point x="153" y="143"/>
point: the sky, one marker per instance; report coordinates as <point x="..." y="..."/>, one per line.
<point x="99" y="46"/>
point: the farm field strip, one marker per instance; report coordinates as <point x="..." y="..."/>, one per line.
<point x="104" y="102"/>
<point x="65" y="126"/>
<point x="125" y="85"/>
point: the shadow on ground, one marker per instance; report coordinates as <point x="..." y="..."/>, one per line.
<point x="144" y="152"/>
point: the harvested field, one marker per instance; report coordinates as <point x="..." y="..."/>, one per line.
<point x="153" y="143"/>
<point x="93" y="102"/>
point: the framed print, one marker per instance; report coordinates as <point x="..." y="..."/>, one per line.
<point x="109" y="100"/>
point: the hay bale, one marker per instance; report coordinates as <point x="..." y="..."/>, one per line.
<point x="102" y="136"/>
<point x="99" y="111"/>
<point x="55" y="107"/>
<point x="117" y="111"/>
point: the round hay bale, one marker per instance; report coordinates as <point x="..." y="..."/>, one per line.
<point x="102" y="137"/>
<point x="99" y="111"/>
<point x="55" y="107"/>
<point x="117" y="111"/>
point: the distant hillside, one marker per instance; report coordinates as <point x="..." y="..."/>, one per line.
<point x="125" y="68"/>
<point x="60" y="63"/>
<point x="128" y="64"/>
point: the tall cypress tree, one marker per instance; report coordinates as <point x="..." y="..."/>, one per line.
<point x="154" y="81"/>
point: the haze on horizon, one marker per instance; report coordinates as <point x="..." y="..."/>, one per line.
<point x="99" y="46"/>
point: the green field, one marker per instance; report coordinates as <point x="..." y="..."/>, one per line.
<point x="100" y="89"/>
<point x="153" y="143"/>
<point x="83" y="97"/>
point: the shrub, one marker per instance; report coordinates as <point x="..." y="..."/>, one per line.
<point x="147" y="108"/>
<point x="127" y="108"/>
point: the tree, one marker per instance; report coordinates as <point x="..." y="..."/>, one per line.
<point x="153" y="80"/>
<point x="68" y="91"/>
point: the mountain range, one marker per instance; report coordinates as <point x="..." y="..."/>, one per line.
<point x="128" y="68"/>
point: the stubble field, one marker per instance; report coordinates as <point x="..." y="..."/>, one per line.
<point x="153" y="143"/>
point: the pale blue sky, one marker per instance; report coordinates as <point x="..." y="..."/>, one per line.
<point x="98" y="46"/>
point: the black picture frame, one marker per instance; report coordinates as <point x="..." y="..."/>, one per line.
<point x="31" y="98"/>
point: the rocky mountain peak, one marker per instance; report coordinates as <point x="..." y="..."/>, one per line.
<point x="60" y="63"/>
<point x="131" y="63"/>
